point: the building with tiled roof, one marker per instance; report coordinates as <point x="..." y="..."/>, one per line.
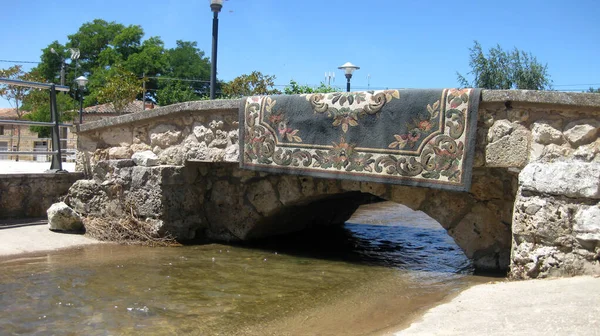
<point x="9" y="137"/>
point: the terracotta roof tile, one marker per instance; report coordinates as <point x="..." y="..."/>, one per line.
<point x="9" y="113"/>
<point x="135" y="106"/>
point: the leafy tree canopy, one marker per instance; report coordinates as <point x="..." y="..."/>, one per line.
<point x="249" y="85"/>
<point x="104" y="46"/>
<point x="501" y="69"/>
<point x="294" y="88"/>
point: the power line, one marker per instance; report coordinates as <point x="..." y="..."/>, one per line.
<point x="9" y="61"/>
<point x="180" y="79"/>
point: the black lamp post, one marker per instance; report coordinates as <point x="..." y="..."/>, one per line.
<point x="215" y="6"/>
<point x="348" y="70"/>
<point x="81" y="82"/>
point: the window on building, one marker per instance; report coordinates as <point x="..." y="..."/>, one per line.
<point x="1" y="130"/>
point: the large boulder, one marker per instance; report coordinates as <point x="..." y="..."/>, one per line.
<point x="62" y="218"/>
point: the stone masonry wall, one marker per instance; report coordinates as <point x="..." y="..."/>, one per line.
<point x="30" y="195"/>
<point x="536" y="173"/>
<point x="555" y="147"/>
<point x="219" y="201"/>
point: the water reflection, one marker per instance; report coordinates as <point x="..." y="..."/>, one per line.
<point x="352" y="280"/>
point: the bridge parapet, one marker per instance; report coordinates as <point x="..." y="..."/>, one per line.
<point x="549" y="139"/>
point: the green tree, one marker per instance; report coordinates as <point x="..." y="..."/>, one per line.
<point x="592" y="90"/>
<point x="15" y="94"/>
<point x="294" y="88"/>
<point x="38" y="102"/>
<point x="188" y="63"/>
<point x="175" y="92"/>
<point x="121" y="88"/>
<point x="249" y="85"/>
<point x="501" y="69"/>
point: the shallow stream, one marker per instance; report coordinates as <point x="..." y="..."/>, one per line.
<point x="383" y="268"/>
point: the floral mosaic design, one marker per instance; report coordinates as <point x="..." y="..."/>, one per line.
<point x="345" y="108"/>
<point x="429" y="147"/>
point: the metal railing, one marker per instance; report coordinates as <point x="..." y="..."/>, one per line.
<point x="56" y="152"/>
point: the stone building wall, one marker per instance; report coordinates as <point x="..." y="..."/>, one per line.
<point x="536" y="172"/>
<point x="30" y="195"/>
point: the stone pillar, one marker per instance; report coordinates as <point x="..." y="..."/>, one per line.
<point x="556" y="221"/>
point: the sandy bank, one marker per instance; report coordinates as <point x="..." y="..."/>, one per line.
<point x="567" y="306"/>
<point x="37" y="238"/>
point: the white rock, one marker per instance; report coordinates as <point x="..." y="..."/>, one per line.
<point x="199" y="131"/>
<point x="500" y="129"/>
<point x="119" y="153"/>
<point x="587" y="224"/>
<point x="145" y="159"/>
<point x="164" y="136"/>
<point x="62" y="218"/>
<point x="581" y="132"/>
<point x="571" y="179"/>
<point x="545" y="133"/>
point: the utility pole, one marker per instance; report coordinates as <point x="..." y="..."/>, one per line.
<point x="328" y="77"/>
<point x="143" y="91"/>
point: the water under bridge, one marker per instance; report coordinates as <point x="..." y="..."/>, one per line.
<point x="532" y="205"/>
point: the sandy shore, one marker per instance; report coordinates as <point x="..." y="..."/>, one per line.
<point x="566" y="306"/>
<point x="37" y="238"/>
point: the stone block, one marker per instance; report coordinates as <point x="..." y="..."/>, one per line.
<point x="289" y="189"/>
<point x="499" y="129"/>
<point x="145" y="159"/>
<point x="512" y="150"/>
<point x="164" y="136"/>
<point x="481" y="230"/>
<point x="581" y="132"/>
<point x="545" y="132"/>
<point x="571" y="179"/>
<point x="119" y="153"/>
<point x="587" y="224"/>
<point x="412" y="197"/>
<point x="263" y="197"/>
<point x="62" y="218"/>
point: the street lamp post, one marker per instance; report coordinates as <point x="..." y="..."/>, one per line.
<point x="81" y="82"/>
<point x="348" y="70"/>
<point x="215" y="6"/>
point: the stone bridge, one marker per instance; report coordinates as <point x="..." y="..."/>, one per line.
<point x="533" y="205"/>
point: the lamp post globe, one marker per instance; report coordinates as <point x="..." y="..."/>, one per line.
<point x="215" y="7"/>
<point x="348" y="70"/>
<point x="81" y="83"/>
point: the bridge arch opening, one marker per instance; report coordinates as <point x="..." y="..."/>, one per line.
<point x="261" y="205"/>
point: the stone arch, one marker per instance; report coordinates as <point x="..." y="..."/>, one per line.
<point x="242" y="205"/>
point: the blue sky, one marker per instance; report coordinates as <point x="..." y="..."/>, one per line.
<point x="400" y="44"/>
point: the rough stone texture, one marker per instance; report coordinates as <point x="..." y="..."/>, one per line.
<point x="572" y="179"/>
<point x="551" y="136"/>
<point x="30" y="195"/>
<point x="509" y="146"/>
<point x="545" y="132"/>
<point x="164" y="136"/>
<point x="145" y="159"/>
<point x="115" y="153"/>
<point x="587" y="225"/>
<point x="545" y="242"/>
<point x="222" y="202"/>
<point x="581" y="132"/>
<point x="62" y="218"/>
